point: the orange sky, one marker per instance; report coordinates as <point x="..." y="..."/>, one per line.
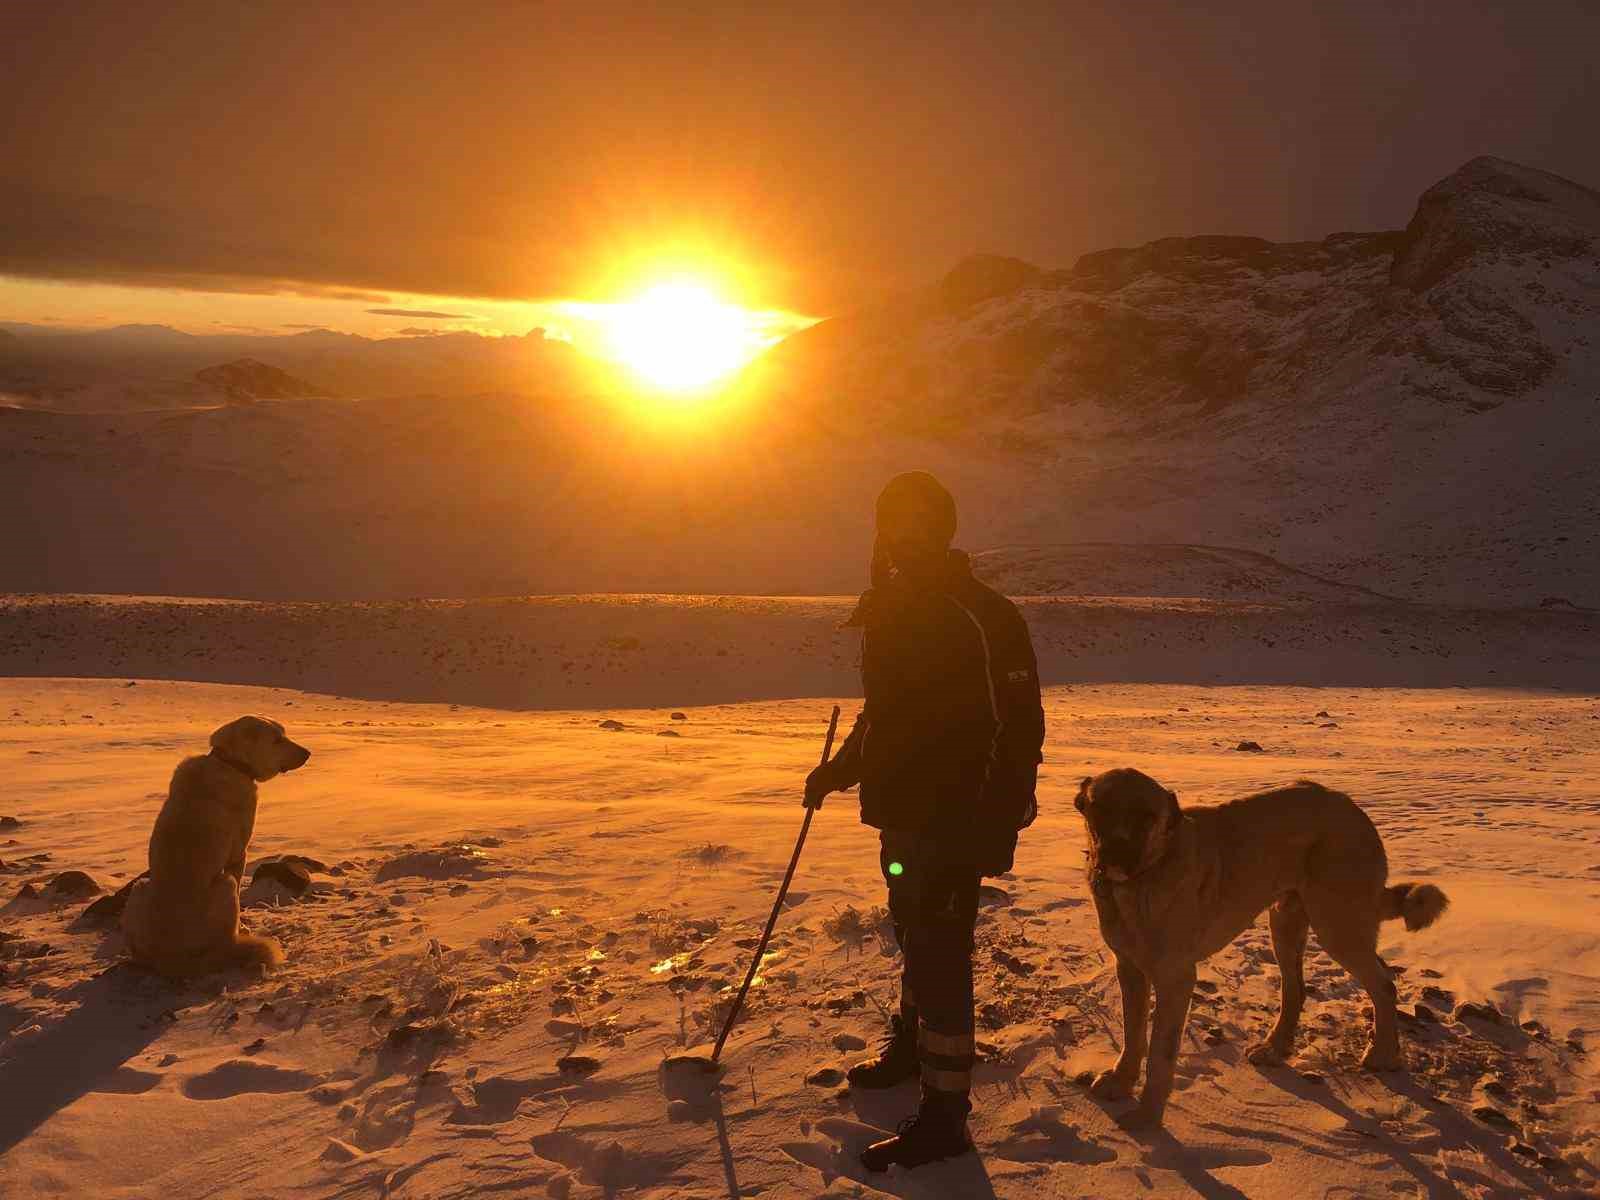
<point x="363" y="155"/>
<point x="64" y="305"/>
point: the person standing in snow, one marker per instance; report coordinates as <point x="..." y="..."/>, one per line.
<point x="946" y="750"/>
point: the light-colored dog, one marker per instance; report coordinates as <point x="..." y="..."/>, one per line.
<point x="184" y="918"/>
<point x="1174" y="885"/>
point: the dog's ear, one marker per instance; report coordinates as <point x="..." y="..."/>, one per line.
<point x="226" y="737"/>
<point x="1174" y="813"/>
<point x="1082" y="798"/>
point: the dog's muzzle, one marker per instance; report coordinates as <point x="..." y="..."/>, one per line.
<point x="1118" y="856"/>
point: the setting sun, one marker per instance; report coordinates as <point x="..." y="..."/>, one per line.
<point x="679" y="336"/>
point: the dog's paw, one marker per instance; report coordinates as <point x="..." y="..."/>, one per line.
<point x="1108" y="1085"/>
<point x="1141" y="1117"/>
<point x="1265" y="1054"/>
<point x="1376" y="1060"/>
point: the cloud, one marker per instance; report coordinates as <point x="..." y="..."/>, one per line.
<point x="545" y="172"/>
<point x="316" y="291"/>
<point x="74" y="237"/>
<point x="562" y="158"/>
<point x="416" y="331"/>
<point x="288" y="325"/>
<point x="421" y="313"/>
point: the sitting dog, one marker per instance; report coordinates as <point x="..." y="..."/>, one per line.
<point x="184" y="918"/>
<point x="1175" y="885"/>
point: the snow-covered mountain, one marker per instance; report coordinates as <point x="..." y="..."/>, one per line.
<point x="1488" y="295"/>
<point x="1415" y="411"/>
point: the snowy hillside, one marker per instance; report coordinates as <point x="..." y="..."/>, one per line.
<point x="1111" y="569"/>
<point x="1415" y="411"/>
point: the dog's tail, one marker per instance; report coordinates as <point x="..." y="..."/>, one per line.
<point x="253" y="950"/>
<point x="246" y="950"/>
<point x="1418" y="904"/>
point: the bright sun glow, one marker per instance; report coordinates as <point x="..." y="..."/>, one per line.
<point x="679" y="337"/>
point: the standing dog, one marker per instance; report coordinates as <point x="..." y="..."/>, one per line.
<point x="1172" y="886"/>
<point x="184" y="918"/>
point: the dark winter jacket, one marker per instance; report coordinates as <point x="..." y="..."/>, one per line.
<point x="948" y="741"/>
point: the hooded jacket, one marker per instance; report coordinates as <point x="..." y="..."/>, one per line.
<point x="947" y="744"/>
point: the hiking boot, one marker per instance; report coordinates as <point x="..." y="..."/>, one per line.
<point x="927" y="1137"/>
<point x="896" y="1061"/>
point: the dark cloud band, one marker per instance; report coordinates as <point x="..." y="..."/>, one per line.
<point x="826" y="151"/>
<point x="421" y="313"/>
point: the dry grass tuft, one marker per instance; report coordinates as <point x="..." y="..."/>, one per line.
<point x="850" y="926"/>
<point x="712" y="854"/>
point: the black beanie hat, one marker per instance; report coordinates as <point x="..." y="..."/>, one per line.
<point x="918" y="500"/>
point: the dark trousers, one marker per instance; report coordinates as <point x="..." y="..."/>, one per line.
<point x="933" y="901"/>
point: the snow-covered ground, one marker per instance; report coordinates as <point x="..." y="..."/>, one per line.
<point x="592" y="651"/>
<point x="411" y="1046"/>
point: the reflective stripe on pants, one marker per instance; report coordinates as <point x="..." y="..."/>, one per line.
<point x="933" y="900"/>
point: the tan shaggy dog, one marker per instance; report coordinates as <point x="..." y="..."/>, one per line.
<point x="1173" y="885"/>
<point x="184" y="918"/>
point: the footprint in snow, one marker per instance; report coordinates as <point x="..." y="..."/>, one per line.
<point x="127" y="1081"/>
<point x="1043" y="1137"/>
<point x="238" y="1076"/>
<point x="607" y="1164"/>
<point x="819" y="1156"/>
<point x="1064" y="902"/>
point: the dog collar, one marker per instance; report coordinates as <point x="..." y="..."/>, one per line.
<point x="1098" y="878"/>
<point x="234" y="763"/>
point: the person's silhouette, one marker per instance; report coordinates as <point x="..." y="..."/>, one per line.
<point x="946" y="750"/>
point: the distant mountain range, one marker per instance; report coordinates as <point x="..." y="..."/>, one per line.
<point x="134" y="366"/>
<point x="1415" y="412"/>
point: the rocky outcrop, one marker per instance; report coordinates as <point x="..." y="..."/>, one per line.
<point x="1493" y="209"/>
<point x="983" y="277"/>
<point x="250" y="379"/>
